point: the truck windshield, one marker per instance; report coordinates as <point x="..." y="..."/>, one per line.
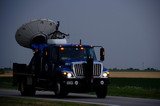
<point x="76" y="53"/>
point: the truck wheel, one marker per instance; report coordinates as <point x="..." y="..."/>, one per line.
<point x="102" y="92"/>
<point x="60" y="90"/>
<point x="26" y="90"/>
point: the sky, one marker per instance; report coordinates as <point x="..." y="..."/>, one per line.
<point x="129" y="30"/>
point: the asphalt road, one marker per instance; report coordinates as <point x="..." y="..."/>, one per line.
<point x="84" y="98"/>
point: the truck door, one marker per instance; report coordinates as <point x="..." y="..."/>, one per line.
<point x="49" y="64"/>
<point x="42" y="76"/>
<point x="51" y="61"/>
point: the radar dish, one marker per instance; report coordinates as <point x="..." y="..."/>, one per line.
<point x="34" y="31"/>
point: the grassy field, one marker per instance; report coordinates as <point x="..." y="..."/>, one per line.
<point x="135" y="87"/>
<point x="145" y="83"/>
<point x="6" y="82"/>
<point x="12" y="101"/>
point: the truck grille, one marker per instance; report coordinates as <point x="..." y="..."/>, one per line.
<point x="96" y="69"/>
<point x="78" y="69"/>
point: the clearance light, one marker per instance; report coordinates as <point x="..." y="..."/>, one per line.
<point x="82" y="48"/>
<point x="65" y="73"/>
<point x="61" y="48"/>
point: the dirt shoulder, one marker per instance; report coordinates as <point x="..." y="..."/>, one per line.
<point x="7" y="74"/>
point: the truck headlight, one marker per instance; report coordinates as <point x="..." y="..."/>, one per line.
<point x="68" y="74"/>
<point x="105" y="74"/>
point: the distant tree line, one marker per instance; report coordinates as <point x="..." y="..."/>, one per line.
<point x="5" y="69"/>
<point x="133" y="69"/>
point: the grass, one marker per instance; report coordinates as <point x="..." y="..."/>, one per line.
<point x="145" y="83"/>
<point x="12" y="101"/>
<point x="132" y="91"/>
<point x="6" y="82"/>
<point x="135" y="87"/>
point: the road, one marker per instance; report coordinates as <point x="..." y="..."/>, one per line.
<point x="85" y="98"/>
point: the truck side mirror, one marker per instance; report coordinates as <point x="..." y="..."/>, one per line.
<point x="102" y="54"/>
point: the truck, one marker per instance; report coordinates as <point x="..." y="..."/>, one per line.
<point x="56" y="65"/>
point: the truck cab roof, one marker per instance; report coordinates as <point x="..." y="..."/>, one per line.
<point x="69" y="45"/>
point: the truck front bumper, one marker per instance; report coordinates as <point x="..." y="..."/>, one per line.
<point x="83" y="85"/>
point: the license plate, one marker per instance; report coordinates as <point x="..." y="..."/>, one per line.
<point x="69" y="82"/>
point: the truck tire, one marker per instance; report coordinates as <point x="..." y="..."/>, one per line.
<point x="102" y="92"/>
<point x="26" y="90"/>
<point x="60" y="90"/>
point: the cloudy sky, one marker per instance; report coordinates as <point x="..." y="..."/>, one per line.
<point x="129" y="30"/>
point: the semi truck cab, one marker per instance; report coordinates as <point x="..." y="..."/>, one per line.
<point x="70" y="68"/>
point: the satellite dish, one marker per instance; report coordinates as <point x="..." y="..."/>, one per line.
<point x="36" y="31"/>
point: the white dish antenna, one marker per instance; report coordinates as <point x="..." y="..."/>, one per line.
<point x="34" y="31"/>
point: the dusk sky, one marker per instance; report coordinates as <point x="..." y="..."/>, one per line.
<point x="129" y="30"/>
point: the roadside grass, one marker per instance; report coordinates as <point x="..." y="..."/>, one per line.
<point x="12" y="101"/>
<point x="132" y="91"/>
<point x="6" y="82"/>
<point x="135" y="87"/>
<point x="145" y="83"/>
